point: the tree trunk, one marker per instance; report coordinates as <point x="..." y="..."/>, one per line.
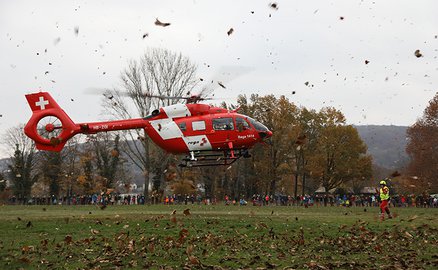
<point x="296" y="186"/>
<point x="304" y="184"/>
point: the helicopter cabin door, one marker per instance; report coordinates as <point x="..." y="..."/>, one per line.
<point x="229" y="129"/>
<point x="245" y="135"/>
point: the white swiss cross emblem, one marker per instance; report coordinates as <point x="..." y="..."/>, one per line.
<point x="42" y="103"/>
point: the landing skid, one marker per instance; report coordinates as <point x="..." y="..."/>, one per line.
<point x="213" y="158"/>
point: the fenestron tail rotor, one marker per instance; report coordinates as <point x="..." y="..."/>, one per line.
<point x="49" y="127"/>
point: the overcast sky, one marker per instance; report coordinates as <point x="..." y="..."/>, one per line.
<point x="67" y="47"/>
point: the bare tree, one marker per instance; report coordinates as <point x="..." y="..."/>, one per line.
<point x="159" y="72"/>
<point x="21" y="166"/>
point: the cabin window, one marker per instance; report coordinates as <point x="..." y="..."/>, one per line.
<point x="223" y="124"/>
<point x="182" y="126"/>
<point x="198" y="125"/>
<point x="241" y="124"/>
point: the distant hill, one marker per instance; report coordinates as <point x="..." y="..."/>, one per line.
<point x="386" y="144"/>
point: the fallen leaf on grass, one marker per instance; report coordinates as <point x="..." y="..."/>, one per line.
<point x="408" y="234"/>
<point x="151" y="247"/>
<point x="173" y="219"/>
<point x="68" y="239"/>
<point x="263" y="225"/>
<point x="26" y="249"/>
<point x="25" y="260"/>
<point x="131" y="245"/>
<point x="413" y="218"/>
<point x="193" y="260"/>
<point x="189" y="249"/>
<point x="187" y="212"/>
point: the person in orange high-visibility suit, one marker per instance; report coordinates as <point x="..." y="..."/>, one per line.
<point x="384" y="199"/>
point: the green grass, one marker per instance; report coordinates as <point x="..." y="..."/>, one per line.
<point x="214" y="237"/>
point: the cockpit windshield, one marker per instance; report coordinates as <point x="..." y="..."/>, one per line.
<point x="257" y="125"/>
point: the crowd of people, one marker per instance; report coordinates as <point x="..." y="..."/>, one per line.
<point x="351" y="200"/>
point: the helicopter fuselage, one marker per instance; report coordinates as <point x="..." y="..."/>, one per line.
<point x="179" y="128"/>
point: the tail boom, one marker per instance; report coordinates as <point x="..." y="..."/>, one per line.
<point x="50" y="127"/>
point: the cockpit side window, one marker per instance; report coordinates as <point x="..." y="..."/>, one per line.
<point x="257" y="125"/>
<point x="241" y="124"/>
<point x="223" y="124"/>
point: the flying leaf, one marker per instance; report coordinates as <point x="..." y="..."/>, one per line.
<point x="274" y="6"/>
<point x="159" y="23"/>
<point x="221" y="85"/>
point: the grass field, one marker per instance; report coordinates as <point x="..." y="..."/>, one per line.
<point x="216" y="237"/>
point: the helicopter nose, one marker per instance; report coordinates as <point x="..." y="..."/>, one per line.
<point x="265" y="134"/>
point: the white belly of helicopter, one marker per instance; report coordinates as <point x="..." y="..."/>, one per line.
<point x="168" y="129"/>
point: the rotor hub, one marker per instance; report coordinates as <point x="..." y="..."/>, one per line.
<point x="50" y="127"/>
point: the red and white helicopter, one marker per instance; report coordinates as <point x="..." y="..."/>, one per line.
<point x="209" y="135"/>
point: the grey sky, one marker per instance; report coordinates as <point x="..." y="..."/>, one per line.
<point x="302" y="41"/>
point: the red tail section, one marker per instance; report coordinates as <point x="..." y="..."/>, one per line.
<point x="50" y="127"/>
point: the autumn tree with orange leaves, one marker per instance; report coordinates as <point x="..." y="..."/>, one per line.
<point x="423" y="149"/>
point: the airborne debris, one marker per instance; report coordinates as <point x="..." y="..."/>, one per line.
<point x="418" y="54"/>
<point x="395" y="174"/>
<point x="159" y="23"/>
<point x="274" y="6"/>
<point x="230" y="31"/>
<point x="341" y="18"/>
<point x="145" y="35"/>
<point x="76" y="30"/>
<point x="366" y="62"/>
<point x="56" y="41"/>
<point x="221" y="85"/>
